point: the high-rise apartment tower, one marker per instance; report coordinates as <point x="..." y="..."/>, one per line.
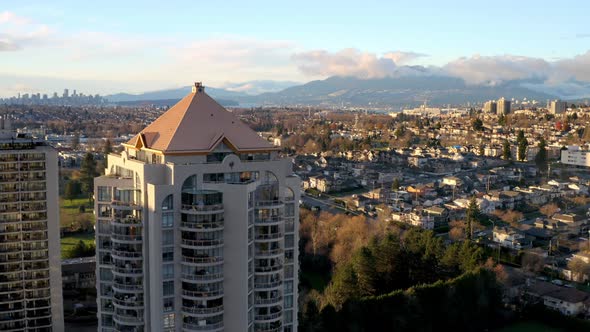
<point x="197" y="224"/>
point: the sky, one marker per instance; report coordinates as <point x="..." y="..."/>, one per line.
<point x="135" y="46"/>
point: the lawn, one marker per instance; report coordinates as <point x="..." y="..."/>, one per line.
<point x="528" y="326"/>
<point x="69" y="211"/>
<point x="69" y="241"/>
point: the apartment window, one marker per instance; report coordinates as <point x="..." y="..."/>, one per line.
<point x="168" y="288"/>
<point x="167" y="254"/>
<point x="168" y="271"/>
<point x="288" y="316"/>
<point x="168" y="304"/>
<point x="167" y="237"/>
<point x="104" y="194"/>
<point x="289" y="301"/>
<point x="288" y="287"/>
<point x="289" y="241"/>
<point x="168" y="203"/>
<point x="167" y="219"/>
<point x="168" y="321"/>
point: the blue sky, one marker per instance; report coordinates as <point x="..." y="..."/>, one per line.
<point x="109" y="46"/>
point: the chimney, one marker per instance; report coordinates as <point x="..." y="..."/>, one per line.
<point x="198" y="88"/>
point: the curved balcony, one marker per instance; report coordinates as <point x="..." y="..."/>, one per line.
<point x="271" y="301"/>
<point x="124" y="301"/>
<point x="202" y="260"/>
<point x="273" y="220"/>
<point x="127" y="288"/>
<point x="126" y="255"/>
<point x="127" y="271"/>
<point x="263" y="318"/>
<point x="269" y="253"/>
<point x="207" y="327"/>
<point x="125" y="327"/>
<point x="201" y="244"/>
<point x="128" y="320"/>
<point x="200" y="311"/>
<point x="125" y="205"/>
<point x="271" y="285"/>
<point x="278" y="266"/>
<point x="202" y="278"/>
<point x="258" y="237"/>
<point x="268" y="327"/>
<point x="265" y="204"/>
<point x="199" y="226"/>
<point x="122" y="238"/>
<point x="205" y="293"/>
<point x="201" y="208"/>
<point x="127" y="222"/>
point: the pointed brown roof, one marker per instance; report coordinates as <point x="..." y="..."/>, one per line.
<point x="197" y="124"/>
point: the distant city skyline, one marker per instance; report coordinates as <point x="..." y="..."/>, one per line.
<point x="136" y="47"/>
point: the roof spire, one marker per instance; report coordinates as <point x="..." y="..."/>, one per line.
<point x="198" y="88"/>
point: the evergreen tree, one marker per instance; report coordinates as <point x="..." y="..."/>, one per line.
<point x="72" y="190"/>
<point x="541" y="157"/>
<point x="506" y="154"/>
<point x="477" y="124"/>
<point x="472" y="215"/>
<point x="88" y="173"/>
<point x="522" y="144"/>
<point x="502" y="120"/>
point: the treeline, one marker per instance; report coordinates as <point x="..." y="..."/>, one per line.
<point x="470" y="302"/>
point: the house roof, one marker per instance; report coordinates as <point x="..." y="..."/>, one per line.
<point x="197" y="123"/>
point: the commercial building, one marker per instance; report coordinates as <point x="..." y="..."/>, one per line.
<point x="197" y="224"/>
<point x="30" y="266"/>
<point x="490" y="106"/>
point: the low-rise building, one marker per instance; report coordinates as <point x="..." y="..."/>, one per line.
<point x="511" y="238"/>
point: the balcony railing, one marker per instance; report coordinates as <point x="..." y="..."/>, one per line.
<point x="268" y="317"/>
<point x="204" y="259"/>
<point x="202" y="243"/>
<point x="267" y="301"/>
<point x="199" y="225"/>
<point x="206" y="327"/>
<point x="202" y="277"/>
<point x="201" y="207"/>
<point x="204" y="293"/>
<point x="203" y="311"/>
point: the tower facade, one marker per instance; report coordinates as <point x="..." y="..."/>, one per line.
<point x="197" y="227"/>
<point x="30" y="263"/>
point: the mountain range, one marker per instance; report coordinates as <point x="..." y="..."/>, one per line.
<point x="388" y="92"/>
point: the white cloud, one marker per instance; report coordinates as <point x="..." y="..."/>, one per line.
<point x="403" y="57"/>
<point x="19" y="32"/>
<point x="492" y="70"/>
<point x="347" y="62"/>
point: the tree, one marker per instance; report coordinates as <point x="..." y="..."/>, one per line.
<point x="522" y="144"/>
<point x="88" y="173"/>
<point x="477" y="124"/>
<point x="506" y="153"/>
<point x="75" y="141"/>
<point x="502" y="120"/>
<point x="541" y="157"/>
<point x="472" y="216"/>
<point x="532" y="263"/>
<point x="580" y="269"/>
<point x="395" y="184"/>
<point x="81" y="249"/>
<point x="549" y="209"/>
<point x="72" y="190"/>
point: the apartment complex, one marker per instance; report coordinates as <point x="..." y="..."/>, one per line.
<point x="197" y="227"/>
<point x="30" y="266"/>
<point x="575" y="156"/>
<point x="503" y="106"/>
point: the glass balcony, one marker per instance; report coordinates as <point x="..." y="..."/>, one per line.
<point x="202" y="308"/>
<point x="201" y="201"/>
<point x="268" y="327"/>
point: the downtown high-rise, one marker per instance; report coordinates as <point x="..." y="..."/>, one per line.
<point x="197" y="224"/>
<point x="30" y="263"/>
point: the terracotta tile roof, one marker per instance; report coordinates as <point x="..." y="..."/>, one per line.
<point x="198" y="123"/>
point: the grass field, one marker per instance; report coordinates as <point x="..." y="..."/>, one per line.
<point x="68" y="242"/>
<point x="69" y="211"/>
<point x="528" y="327"/>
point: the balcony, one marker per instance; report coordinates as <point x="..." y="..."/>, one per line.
<point x="273" y="203"/>
<point x="259" y="301"/>
<point x="268" y="252"/>
<point x="127" y="287"/>
<point x="207" y="327"/>
<point x="202" y="278"/>
<point x="128" y="271"/>
<point x="202" y="259"/>
<point x="124" y="238"/>
<point x="187" y="243"/>
<point x="201" y="208"/>
<point x="268" y="285"/>
<point x="268" y="317"/>
<point x="268" y="220"/>
<point x="126" y="255"/>
<point x="203" y="311"/>
<point x="268" y="327"/>
<point x="128" y="319"/>
<point x="268" y="236"/>
<point x="203" y="292"/>
<point x="126" y="301"/>
<point x="201" y="226"/>
<point x="125" y="205"/>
